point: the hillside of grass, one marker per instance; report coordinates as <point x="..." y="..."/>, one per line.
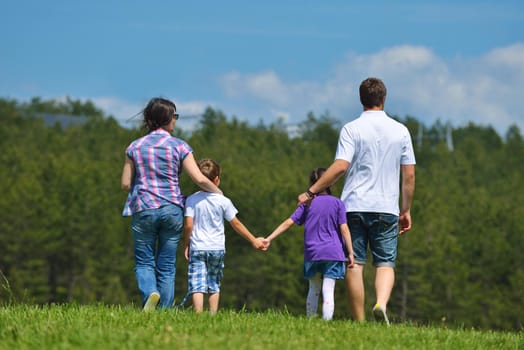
<point x="118" y="327"/>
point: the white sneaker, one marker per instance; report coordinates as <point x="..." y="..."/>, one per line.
<point x="380" y="314"/>
<point x="151" y="302"/>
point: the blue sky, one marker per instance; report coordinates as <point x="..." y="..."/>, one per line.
<point x="457" y="61"/>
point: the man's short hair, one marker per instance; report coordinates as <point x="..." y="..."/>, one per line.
<point x="372" y="93"/>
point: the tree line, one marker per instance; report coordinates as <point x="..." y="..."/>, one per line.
<point x="62" y="237"/>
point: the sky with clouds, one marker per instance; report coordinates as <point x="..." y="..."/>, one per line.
<point x="455" y="61"/>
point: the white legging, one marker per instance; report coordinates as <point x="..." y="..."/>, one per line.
<point x="328" y="296"/>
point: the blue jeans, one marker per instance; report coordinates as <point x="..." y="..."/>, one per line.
<point x="379" y="231"/>
<point x="156" y="233"/>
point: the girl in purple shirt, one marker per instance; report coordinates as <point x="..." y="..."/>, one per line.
<point x="326" y="234"/>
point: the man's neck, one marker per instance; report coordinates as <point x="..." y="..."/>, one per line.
<point x="375" y="108"/>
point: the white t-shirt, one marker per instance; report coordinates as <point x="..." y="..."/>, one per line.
<point x="376" y="146"/>
<point x="208" y="211"/>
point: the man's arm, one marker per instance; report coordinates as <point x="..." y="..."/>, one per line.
<point x="408" y="190"/>
<point x="329" y="178"/>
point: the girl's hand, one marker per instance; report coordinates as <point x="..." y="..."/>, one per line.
<point x="351" y="260"/>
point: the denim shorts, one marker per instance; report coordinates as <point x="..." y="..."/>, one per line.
<point x="330" y="269"/>
<point x="379" y="231"/>
<point x="205" y="271"/>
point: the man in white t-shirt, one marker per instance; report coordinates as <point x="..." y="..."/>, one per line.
<point x="204" y="238"/>
<point x="373" y="151"/>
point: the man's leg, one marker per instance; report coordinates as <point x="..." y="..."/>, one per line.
<point x="355" y="287"/>
<point x="384" y="281"/>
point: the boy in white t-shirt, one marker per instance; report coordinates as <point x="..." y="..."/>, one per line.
<point x="204" y="238"/>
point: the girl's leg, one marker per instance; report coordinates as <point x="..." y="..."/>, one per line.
<point x="328" y="297"/>
<point x="315" y="283"/>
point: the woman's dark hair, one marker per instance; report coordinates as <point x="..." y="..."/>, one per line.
<point x="315" y="175"/>
<point x="158" y="113"/>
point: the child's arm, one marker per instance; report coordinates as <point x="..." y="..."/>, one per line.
<point x="284" y="226"/>
<point x="188" y="228"/>
<point x="242" y="230"/>
<point x="344" y="230"/>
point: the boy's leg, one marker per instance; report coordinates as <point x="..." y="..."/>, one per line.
<point x="197" y="278"/>
<point x="328" y="298"/>
<point x="215" y="272"/>
<point x="315" y="284"/>
<point x="355" y="287"/>
<point x="198" y="302"/>
<point x="213" y="302"/>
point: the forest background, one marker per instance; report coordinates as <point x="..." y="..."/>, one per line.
<point x="63" y="239"/>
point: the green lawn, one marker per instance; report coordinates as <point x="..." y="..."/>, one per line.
<point x="114" y="327"/>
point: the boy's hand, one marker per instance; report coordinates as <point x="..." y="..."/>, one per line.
<point x="186" y="253"/>
<point x="261" y="243"/>
<point x="265" y="243"/>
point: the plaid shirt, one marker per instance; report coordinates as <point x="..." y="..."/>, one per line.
<point x="158" y="158"/>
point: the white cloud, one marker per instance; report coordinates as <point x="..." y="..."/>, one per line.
<point x="482" y="90"/>
<point x="124" y="112"/>
<point x="128" y="113"/>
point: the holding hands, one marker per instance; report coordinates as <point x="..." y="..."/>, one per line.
<point x="261" y="243"/>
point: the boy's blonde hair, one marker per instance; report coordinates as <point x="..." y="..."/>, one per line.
<point x="209" y="168"/>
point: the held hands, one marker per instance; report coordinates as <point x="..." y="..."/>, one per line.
<point x="261" y="243"/>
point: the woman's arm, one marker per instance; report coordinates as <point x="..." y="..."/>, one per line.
<point x="128" y="174"/>
<point x="191" y="168"/>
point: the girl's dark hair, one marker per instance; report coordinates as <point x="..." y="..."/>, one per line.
<point x="158" y="113"/>
<point x="315" y="175"/>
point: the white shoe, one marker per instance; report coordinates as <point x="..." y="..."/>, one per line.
<point x="380" y="314"/>
<point x="151" y="302"/>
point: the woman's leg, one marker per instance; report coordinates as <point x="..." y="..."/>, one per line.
<point x="144" y="238"/>
<point x="169" y="234"/>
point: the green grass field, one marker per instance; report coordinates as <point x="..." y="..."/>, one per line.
<point x="114" y="327"/>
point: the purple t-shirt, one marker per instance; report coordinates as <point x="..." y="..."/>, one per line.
<point x="322" y="220"/>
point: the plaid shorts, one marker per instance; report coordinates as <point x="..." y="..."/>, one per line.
<point x="205" y="271"/>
